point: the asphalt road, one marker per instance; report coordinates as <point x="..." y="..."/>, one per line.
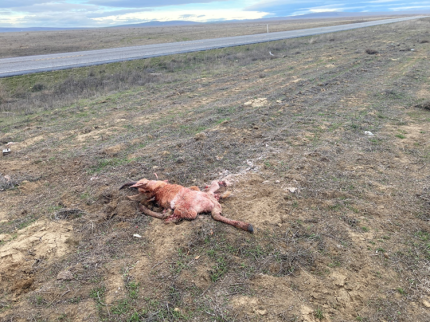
<point x="41" y="63"/>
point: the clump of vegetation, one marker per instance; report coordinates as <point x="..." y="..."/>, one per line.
<point x="372" y="52"/>
<point x="424" y="105"/>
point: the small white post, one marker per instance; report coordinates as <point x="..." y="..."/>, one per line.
<point x="267" y="28"/>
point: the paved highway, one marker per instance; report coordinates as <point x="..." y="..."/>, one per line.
<point x="34" y="64"/>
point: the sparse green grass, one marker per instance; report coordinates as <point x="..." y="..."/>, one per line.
<point x="219" y="269"/>
<point x="121" y="307"/>
<point x="109" y="162"/>
<point x="401" y="291"/>
<point x="133" y="289"/>
<point x="319" y="314"/>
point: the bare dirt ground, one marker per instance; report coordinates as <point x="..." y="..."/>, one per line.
<point x="38" y="43"/>
<point x="326" y="144"/>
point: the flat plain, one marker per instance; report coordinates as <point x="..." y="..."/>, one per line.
<point x="39" y="43"/>
<point x="325" y="144"/>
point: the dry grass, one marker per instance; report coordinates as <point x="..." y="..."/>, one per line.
<point x="350" y="243"/>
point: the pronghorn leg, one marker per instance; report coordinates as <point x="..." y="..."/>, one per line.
<point x="151" y="213"/>
<point x="216" y="214"/>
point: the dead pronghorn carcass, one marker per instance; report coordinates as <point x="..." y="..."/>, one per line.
<point x="186" y="203"/>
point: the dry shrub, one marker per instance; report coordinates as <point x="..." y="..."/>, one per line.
<point x="424" y="105"/>
<point x="372" y="52"/>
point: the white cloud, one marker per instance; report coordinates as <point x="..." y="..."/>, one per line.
<point x="317" y="10"/>
<point x="187" y="15"/>
<point x="383" y="1"/>
<point x="409" y="8"/>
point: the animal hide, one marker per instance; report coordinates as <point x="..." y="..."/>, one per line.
<point x="182" y="202"/>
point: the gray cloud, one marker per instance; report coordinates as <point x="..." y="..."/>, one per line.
<point x="53" y="7"/>
<point x="144" y="3"/>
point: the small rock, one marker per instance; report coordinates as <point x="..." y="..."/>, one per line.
<point x="86" y="130"/>
<point x="426" y="303"/>
<point x="258" y="102"/>
<point x="65" y="275"/>
<point x="200" y="136"/>
<point x="261" y="312"/>
<point x="292" y="189"/>
<point x="339" y="279"/>
<point x="369" y="133"/>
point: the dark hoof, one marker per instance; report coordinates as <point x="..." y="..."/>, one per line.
<point x="250" y="228"/>
<point x="127" y="185"/>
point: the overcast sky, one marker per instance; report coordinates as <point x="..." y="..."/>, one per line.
<point x="102" y="13"/>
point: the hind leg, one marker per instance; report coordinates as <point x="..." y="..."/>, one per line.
<point x="216" y="214"/>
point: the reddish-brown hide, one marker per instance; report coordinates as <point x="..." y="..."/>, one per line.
<point x="186" y="203"/>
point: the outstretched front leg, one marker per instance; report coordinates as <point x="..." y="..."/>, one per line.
<point x="151" y="213"/>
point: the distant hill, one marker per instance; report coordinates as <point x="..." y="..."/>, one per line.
<point x="138" y="25"/>
<point x="160" y="24"/>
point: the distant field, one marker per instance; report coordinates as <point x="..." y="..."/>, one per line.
<point x="326" y="145"/>
<point x="15" y="44"/>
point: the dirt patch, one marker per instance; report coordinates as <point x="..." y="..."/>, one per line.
<point x="42" y="241"/>
<point x="258" y="102"/>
